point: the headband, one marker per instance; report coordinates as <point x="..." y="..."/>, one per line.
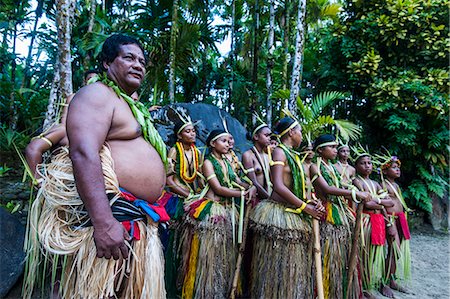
<point x="293" y="125"/>
<point x="259" y="128"/>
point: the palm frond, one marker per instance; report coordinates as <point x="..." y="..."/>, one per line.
<point x="331" y="10"/>
<point x="322" y="100"/>
<point x="347" y="130"/>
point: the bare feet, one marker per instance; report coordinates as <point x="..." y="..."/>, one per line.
<point x="386" y="291"/>
<point x="393" y="284"/>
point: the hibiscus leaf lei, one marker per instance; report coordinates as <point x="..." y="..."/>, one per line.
<point x="143" y="117"/>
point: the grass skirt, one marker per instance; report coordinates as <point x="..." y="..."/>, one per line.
<point x="372" y="256"/>
<point x="282" y="253"/>
<point x="402" y="253"/>
<point x="209" y="254"/>
<point x="336" y="242"/>
<point x="54" y="238"/>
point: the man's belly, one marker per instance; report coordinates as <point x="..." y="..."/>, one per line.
<point x="139" y="168"/>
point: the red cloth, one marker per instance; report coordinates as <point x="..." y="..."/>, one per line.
<point x="136" y="230"/>
<point x="194" y="206"/>
<point x="403" y="225"/>
<point x="164" y="198"/>
<point x="378" y="236"/>
<point x="161" y="211"/>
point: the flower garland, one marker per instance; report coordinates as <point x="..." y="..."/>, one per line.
<point x="143" y="117"/>
<point x="183" y="166"/>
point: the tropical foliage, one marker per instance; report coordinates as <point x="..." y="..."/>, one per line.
<point x="386" y="60"/>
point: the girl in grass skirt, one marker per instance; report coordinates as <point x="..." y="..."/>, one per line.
<point x="337" y="225"/>
<point x="282" y="246"/>
<point x="373" y="226"/>
<point x="183" y="181"/>
<point x="214" y="226"/>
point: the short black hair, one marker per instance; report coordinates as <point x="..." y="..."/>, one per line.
<point x="111" y="47"/>
<point x="88" y="72"/>
<point x="283" y="124"/>
<point x="324" y="138"/>
<point x="213" y="134"/>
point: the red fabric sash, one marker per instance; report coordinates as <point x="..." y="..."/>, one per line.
<point x="378" y="236"/>
<point x="403" y="223"/>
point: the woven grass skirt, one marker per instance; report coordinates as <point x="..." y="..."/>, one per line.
<point x="282" y="253"/>
<point x="373" y="252"/>
<point x="336" y="239"/>
<point x="209" y="253"/>
<point x="54" y="238"/>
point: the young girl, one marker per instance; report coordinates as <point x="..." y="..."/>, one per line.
<point x="211" y="245"/>
<point x="282" y="247"/>
<point x="256" y="161"/>
<point x="185" y="160"/>
<point x="399" y="258"/>
<point x="335" y="230"/>
<point x="183" y="182"/>
<point x="373" y="218"/>
<point x="345" y="170"/>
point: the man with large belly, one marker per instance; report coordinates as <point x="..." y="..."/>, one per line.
<point x="101" y="217"/>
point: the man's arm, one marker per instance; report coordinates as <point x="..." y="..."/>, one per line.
<point x="88" y="123"/>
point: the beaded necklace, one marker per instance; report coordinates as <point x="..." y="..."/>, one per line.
<point x="182" y="168"/>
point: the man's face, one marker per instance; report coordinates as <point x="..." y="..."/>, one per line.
<point x="128" y="68"/>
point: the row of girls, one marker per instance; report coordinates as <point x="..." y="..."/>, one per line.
<point x="244" y="228"/>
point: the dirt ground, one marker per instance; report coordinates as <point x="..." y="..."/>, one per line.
<point x="430" y="268"/>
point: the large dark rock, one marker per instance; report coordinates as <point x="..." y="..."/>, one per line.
<point x="12" y="256"/>
<point x="208" y="118"/>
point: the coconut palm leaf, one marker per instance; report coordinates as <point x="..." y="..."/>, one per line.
<point x="322" y="100"/>
<point x="347" y="130"/>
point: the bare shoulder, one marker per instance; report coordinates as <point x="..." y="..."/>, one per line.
<point x="247" y="155"/>
<point x="278" y="154"/>
<point x="172" y="153"/>
<point x="96" y="94"/>
<point x="313" y="169"/>
<point x="207" y="167"/>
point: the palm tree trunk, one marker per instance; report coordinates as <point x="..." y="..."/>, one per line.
<point x="65" y="10"/>
<point x="287" y="27"/>
<point x="270" y="47"/>
<point x="296" y="70"/>
<point x="255" y="62"/>
<point x="52" y="107"/>
<point x="91" y="23"/>
<point x="62" y="81"/>
<point x="173" y="40"/>
<point x="232" y="52"/>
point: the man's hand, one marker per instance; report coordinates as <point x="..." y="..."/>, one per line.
<point x="110" y="240"/>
